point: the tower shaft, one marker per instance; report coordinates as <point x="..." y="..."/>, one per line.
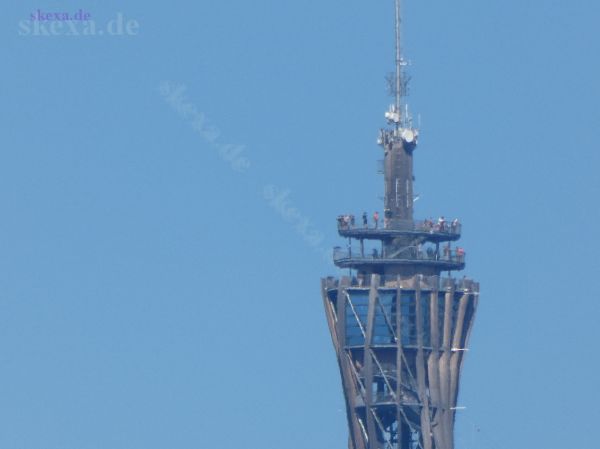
<point x="398" y="181"/>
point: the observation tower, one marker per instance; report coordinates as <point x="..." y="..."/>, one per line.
<point x="399" y="327"/>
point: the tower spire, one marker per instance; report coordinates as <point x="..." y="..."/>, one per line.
<point x="398" y="113"/>
<point x="398" y="144"/>
<point x="399" y="61"/>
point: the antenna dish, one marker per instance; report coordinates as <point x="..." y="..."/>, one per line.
<point x="408" y="135"/>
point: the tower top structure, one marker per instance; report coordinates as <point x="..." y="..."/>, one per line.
<point x="407" y="246"/>
<point x="398" y="143"/>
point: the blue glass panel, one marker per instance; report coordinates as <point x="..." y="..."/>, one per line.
<point x="360" y="302"/>
<point x="408" y="318"/>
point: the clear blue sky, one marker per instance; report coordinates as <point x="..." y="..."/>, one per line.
<point x="155" y="293"/>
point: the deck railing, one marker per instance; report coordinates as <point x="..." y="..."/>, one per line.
<point x="409" y="253"/>
<point x="426" y="282"/>
<point x="351" y="222"/>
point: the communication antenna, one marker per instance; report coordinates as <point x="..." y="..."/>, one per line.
<point x="398" y="113"/>
<point x="399" y="60"/>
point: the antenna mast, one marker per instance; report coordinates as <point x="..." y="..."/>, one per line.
<point x="399" y="61"/>
<point x="398" y="113"/>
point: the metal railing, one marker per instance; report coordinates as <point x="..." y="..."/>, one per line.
<point x="426" y="282"/>
<point x="409" y="253"/>
<point x="351" y="222"/>
<point x="439" y="227"/>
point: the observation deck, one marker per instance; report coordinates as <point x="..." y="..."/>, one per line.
<point x="425" y="230"/>
<point x="448" y="260"/>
